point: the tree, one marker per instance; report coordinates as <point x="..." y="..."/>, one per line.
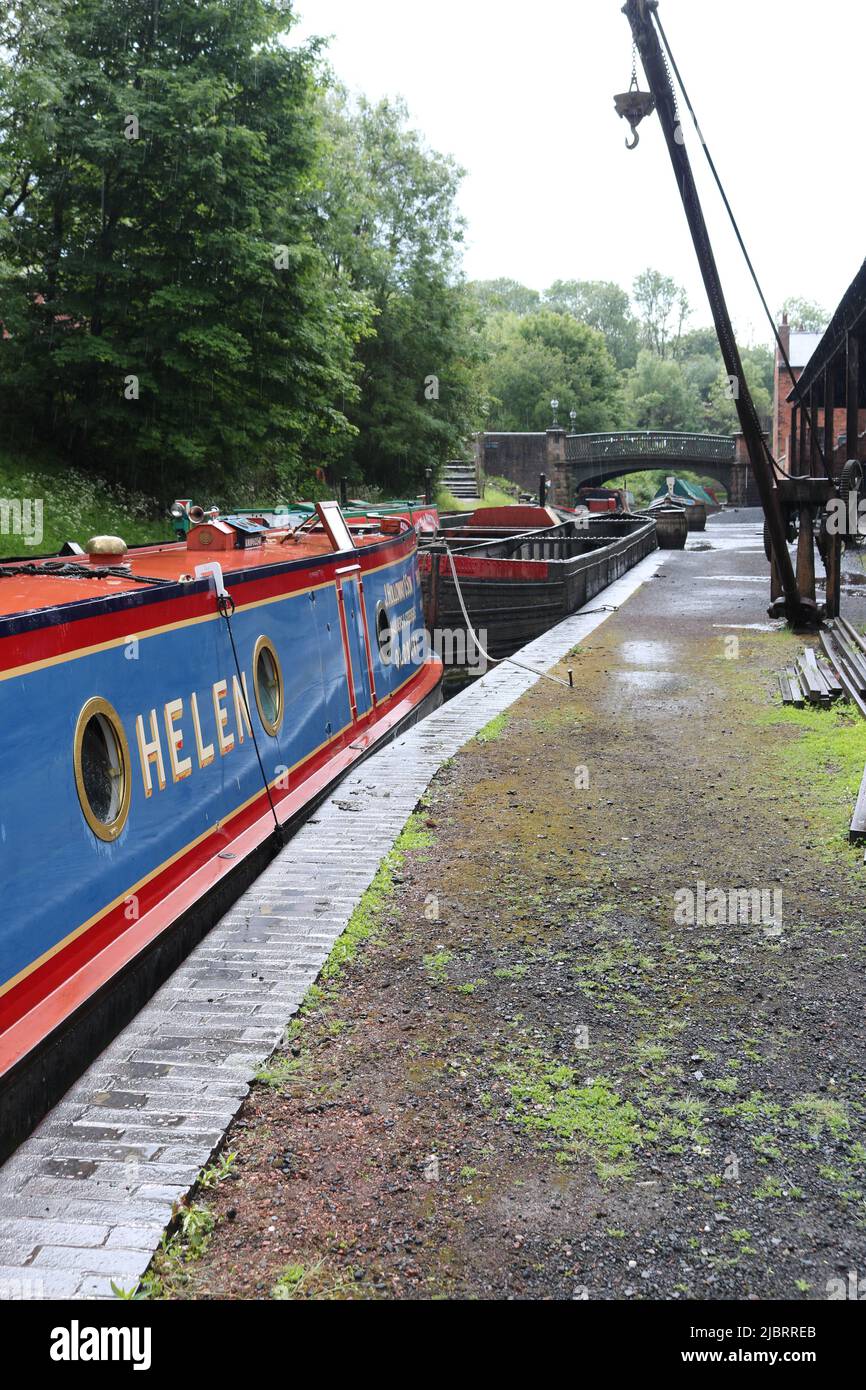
<point x="388" y="223"/>
<point x="603" y="306"/>
<point x="659" y="397"/>
<point x="804" y="315"/>
<point x="720" y="408"/>
<point x="664" y="308"/>
<point x="548" y="356"/>
<point x="505" y="297"/>
<point x="173" y="320"/>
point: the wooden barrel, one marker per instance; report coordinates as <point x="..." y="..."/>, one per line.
<point x="696" y="516"/>
<point x="672" y="527"/>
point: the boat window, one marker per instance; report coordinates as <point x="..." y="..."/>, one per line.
<point x="269" y="685"/>
<point x="101" y="756"/>
<point x="383" y="631"/>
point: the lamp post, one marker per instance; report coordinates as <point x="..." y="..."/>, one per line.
<point x="572" y="415"/>
<point x="554" y="405"/>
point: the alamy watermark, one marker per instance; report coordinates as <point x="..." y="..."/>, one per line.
<point x="22" y="516"/>
<point x="846" y="516"/>
<point x="720" y="907"/>
<point x="402" y="645"/>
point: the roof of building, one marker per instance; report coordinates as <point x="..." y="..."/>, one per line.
<point x="802" y="346"/>
<point x="851" y="309"/>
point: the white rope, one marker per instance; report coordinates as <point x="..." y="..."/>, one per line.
<point x="492" y="660"/>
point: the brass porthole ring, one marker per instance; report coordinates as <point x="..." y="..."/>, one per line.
<point x="268" y="684"/>
<point x="102" y="768"/>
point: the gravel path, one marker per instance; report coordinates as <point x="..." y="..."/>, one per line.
<point x="541" y="1067"/>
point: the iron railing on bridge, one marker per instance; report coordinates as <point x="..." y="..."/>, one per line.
<point x="652" y="445"/>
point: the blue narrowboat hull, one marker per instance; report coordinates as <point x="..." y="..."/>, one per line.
<point x="210" y="770"/>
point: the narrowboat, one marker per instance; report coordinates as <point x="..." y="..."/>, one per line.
<point x="167" y="713"/>
<point x="424" y="516"/>
<point x="517" y="581"/>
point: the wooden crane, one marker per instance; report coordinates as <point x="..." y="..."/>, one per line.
<point x="792" y="593"/>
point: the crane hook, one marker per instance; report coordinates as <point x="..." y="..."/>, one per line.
<point x="633" y="144"/>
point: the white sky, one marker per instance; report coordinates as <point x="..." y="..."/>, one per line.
<point x="522" y="95"/>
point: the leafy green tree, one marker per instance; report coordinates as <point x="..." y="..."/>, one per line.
<point x="804" y="315"/>
<point x="173" y="320"/>
<point x="602" y="305"/>
<point x="659" y="396"/>
<point x="389" y="225"/>
<point x="548" y="356"/>
<point x="720" y="409"/>
<point x="505" y="297"/>
<point x="663" y="309"/>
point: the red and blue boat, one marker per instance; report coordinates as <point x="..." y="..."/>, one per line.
<point x="165" y="711"/>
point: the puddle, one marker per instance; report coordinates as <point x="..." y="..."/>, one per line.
<point x="657" y="681"/>
<point x="734" y="578"/>
<point x="646" y="653"/>
<point x="754" y="627"/>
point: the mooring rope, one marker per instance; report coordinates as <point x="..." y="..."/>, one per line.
<point x="62" y="569"/>
<point x="226" y="606"/>
<point x="492" y="660"/>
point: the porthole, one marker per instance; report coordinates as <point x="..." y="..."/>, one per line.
<point x="101" y="756"/>
<point x="268" y="680"/>
<point x="384" y="635"/>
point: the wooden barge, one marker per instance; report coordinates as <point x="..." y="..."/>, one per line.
<point x="517" y="585"/>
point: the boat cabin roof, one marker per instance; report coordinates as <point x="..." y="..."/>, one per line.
<point x="29" y="591"/>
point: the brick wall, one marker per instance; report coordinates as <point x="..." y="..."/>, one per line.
<point x="522" y="457"/>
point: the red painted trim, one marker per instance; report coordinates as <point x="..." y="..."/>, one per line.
<point x="347" y="651"/>
<point x="64" y="639"/>
<point x="62" y="985"/>
<point x="369" y="649"/>
<point x="484" y="567"/>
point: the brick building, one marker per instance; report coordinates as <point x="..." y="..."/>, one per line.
<point x="833" y="381"/>
<point x="799" y="347"/>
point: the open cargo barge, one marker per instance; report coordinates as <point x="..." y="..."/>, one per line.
<point x="517" y="586"/>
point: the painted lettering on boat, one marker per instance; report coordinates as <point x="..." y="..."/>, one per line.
<point x="403" y="589"/>
<point x="159" y="735"/>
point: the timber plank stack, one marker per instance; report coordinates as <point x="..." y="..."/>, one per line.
<point x="838" y="674"/>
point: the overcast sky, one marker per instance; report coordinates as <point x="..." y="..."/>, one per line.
<point x="522" y="95"/>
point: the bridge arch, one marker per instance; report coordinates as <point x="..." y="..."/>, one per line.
<point x="594" y="459"/>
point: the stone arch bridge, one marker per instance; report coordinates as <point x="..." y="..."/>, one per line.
<point x="593" y="459"/>
<point x="573" y="461"/>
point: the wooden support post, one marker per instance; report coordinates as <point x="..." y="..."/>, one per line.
<point x="804" y="437"/>
<point x="775" y="581"/>
<point x="829" y="408"/>
<point x="792" y="447"/>
<point x="852" y="397"/>
<point x="814" y="457"/>
<point x="833" y="567"/>
<point x="806" y="555"/>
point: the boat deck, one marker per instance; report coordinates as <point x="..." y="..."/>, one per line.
<point x="24" y="589"/>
